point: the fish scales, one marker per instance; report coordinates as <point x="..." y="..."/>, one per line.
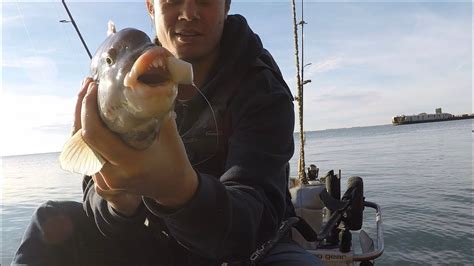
<point x="137" y="87"/>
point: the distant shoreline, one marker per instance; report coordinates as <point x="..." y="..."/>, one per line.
<point x="294" y="133"/>
<point x="30" y="154"/>
<point x="341" y="128"/>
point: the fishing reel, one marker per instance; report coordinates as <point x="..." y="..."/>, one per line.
<point x="342" y="214"/>
<point x="324" y="221"/>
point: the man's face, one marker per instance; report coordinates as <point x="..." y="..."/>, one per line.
<point x="190" y="29"/>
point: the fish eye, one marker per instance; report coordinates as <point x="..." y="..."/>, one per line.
<point x="110" y="56"/>
<point x="109" y="60"/>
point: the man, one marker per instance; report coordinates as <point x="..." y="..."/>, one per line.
<point x="207" y="191"/>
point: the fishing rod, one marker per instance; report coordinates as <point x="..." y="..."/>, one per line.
<point x="300" y="83"/>
<point x="75" y="26"/>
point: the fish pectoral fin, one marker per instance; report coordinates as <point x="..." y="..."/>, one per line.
<point x="79" y="158"/>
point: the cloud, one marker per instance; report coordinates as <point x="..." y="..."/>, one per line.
<point x="44" y="51"/>
<point x="348" y="97"/>
<point x="325" y="65"/>
<point x="54" y="129"/>
<point x="419" y="60"/>
<point x="335" y="105"/>
<point x="410" y="37"/>
<point x="30" y="141"/>
<point x="9" y="20"/>
<point x="32" y="111"/>
<point x="34" y="123"/>
<point x="25" y="62"/>
<point x="38" y="69"/>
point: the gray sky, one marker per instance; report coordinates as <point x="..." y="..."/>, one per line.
<point x="369" y="60"/>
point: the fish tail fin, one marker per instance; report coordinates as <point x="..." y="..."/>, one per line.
<point x="78" y="157"/>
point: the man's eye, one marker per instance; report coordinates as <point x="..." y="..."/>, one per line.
<point x="173" y="2"/>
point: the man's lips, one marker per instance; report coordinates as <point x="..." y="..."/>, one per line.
<point x="187" y="33"/>
<point x="187" y="36"/>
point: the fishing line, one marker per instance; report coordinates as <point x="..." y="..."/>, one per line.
<point x="29" y="39"/>
<point x="69" y="39"/>
<point x="215" y="124"/>
<point x="26" y="29"/>
<point x="210" y="107"/>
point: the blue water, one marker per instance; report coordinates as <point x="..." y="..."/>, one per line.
<point x="420" y="174"/>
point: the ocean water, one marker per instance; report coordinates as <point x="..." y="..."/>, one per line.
<point x="421" y="175"/>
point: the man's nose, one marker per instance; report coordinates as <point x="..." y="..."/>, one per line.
<point x="189" y="11"/>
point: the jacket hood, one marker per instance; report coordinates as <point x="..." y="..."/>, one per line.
<point x="240" y="48"/>
<point x="239" y="44"/>
<point x="239" y="51"/>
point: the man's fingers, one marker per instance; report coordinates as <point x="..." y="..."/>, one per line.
<point x="77" y="112"/>
<point x="97" y="135"/>
<point x="103" y="189"/>
<point x="113" y="177"/>
<point x="100" y="182"/>
<point x="107" y="194"/>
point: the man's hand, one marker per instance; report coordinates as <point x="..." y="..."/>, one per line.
<point x="162" y="171"/>
<point x="125" y="203"/>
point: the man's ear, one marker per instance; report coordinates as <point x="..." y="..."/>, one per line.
<point x="150" y="8"/>
<point x="227" y="8"/>
<point x="226" y="12"/>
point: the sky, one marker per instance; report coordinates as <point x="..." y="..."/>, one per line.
<point x="370" y="60"/>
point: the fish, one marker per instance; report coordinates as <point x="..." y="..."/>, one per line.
<point x="137" y="87"/>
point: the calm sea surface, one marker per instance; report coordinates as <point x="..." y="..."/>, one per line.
<point x="420" y="174"/>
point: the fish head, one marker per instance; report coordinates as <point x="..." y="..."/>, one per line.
<point x="135" y="74"/>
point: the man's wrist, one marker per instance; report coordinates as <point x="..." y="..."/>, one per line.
<point x="127" y="207"/>
<point x="182" y="192"/>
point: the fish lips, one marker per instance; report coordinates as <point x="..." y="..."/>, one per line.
<point x="150" y="69"/>
<point x="149" y="87"/>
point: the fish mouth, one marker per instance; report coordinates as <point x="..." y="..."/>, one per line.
<point x="149" y="70"/>
<point x="157" y="67"/>
<point x="152" y="77"/>
<point x="151" y="85"/>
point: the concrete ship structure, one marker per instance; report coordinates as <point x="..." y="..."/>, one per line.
<point x="425" y="118"/>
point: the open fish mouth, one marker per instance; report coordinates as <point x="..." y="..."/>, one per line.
<point x="152" y="78"/>
<point x="150" y="70"/>
<point x="156" y="67"/>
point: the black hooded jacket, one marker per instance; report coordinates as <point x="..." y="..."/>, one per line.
<point x="240" y="152"/>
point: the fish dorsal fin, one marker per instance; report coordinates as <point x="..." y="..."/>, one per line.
<point x="111" y="28"/>
<point x="78" y="157"/>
